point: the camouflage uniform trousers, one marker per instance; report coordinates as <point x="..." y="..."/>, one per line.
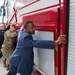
<point x="6" y="54"/>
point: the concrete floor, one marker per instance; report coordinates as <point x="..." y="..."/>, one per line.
<point x="4" y="72"/>
<point x="2" y="69"/>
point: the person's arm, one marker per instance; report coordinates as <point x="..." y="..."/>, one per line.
<point x="46" y="44"/>
<point x="7" y="28"/>
<point x="5" y="38"/>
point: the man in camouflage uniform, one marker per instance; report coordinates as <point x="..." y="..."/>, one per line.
<point x="8" y="45"/>
<point x="3" y="29"/>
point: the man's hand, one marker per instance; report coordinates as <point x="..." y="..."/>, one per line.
<point x="61" y="39"/>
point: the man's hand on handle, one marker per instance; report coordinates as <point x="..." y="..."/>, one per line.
<point x="61" y="39"/>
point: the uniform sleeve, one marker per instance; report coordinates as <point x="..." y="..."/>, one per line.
<point x="45" y="44"/>
<point x="5" y="35"/>
<point x="14" y="34"/>
<point x="5" y="38"/>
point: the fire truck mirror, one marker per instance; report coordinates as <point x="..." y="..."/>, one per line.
<point x="0" y="11"/>
<point x="4" y="12"/>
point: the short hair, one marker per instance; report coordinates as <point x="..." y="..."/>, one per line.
<point x="14" y="25"/>
<point x="27" y="23"/>
<point x="2" y="25"/>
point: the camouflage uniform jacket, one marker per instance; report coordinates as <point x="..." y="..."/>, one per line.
<point x="9" y="38"/>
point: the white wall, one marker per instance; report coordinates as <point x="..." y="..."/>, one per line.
<point x="71" y="46"/>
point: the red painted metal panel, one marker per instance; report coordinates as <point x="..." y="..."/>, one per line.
<point x="57" y="50"/>
<point x="63" y="30"/>
<point x="38" y="73"/>
<point x="43" y="21"/>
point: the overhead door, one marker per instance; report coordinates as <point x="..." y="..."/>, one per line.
<point x="71" y="45"/>
<point x="44" y="58"/>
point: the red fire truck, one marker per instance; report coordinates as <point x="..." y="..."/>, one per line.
<point x="51" y="18"/>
